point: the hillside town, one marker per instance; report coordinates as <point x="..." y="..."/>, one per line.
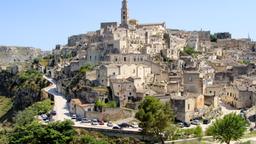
<point x="99" y="79"/>
<point x="196" y="71"/>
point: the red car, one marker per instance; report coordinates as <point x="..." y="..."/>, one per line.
<point x="101" y="123"/>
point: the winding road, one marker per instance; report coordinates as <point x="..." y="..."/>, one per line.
<point x="60" y="103"/>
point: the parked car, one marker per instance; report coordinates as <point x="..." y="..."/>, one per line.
<point x="73" y="116"/>
<point x="44" y="117"/>
<point x="180" y="124"/>
<point x="84" y="120"/>
<point x="54" y="112"/>
<point x="47" y="120"/>
<point x="78" y="118"/>
<point x="134" y="125"/>
<point x="110" y="124"/>
<point x="94" y="123"/>
<point x="94" y="120"/>
<point x="124" y="125"/>
<point x="195" y="122"/>
<point x="116" y="127"/>
<point x="101" y="122"/>
<point x="243" y="110"/>
<point x="187" y="124"/>
<point x="206" y="121"/>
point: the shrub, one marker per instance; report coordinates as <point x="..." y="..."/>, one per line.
<point x="27" y="116"/>
<point x="86" y="68"/>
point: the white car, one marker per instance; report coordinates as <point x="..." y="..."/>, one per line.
<point x="134" y="125"/>
<point x="73" y="116"/>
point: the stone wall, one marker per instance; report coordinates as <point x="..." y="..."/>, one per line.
<point x="109" y="114"/>
<point x="192" y="82"/>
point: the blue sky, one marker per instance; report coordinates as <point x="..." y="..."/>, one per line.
<point x="44" y="23"/>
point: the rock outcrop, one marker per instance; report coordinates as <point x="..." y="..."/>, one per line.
<point x="11" y="54"/>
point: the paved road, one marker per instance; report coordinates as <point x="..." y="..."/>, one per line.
<point x="88" y="125"/>
<point x="252" y="140"/>
<point x="60" y="103"/>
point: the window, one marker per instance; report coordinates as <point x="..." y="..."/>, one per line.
<point x="114" y="73"/>
<point x="116" y="59"/>
<point x="190" y="79"/>
<point x="125" y="59"/>
<point x="118" y="94"/>
<point x="188" y="106"/>
<point x="118" y="85"/>
<point x="130" y="93"/>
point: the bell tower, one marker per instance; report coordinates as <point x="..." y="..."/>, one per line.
<point x="124" y="14"/>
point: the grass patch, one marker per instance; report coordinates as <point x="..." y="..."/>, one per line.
<point x="5" y="105"/>
<point x="86" y="68"/>
<point x="190" y="51"/>
<point x="44" y="62"/>
<point x="110" y="104"/>
<point x="250" y="134"/>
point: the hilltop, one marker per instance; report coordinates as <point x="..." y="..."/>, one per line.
<point x="13" y="54"/>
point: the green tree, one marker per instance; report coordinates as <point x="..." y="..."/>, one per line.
<point x="231" y="127"/>
<point x="189" y="51"/>
<point x="86" y="68"/>
<point x="28" y="115"/>
<point x="36" y="133"/>
<point x="155" y="118"/>
<point x="213" y="38"/>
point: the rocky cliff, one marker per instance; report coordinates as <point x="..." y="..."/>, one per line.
<point x="11" y="54"/>
<point x="23" y="88"/>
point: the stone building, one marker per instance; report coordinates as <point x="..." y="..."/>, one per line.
<point x="223" y="78"/>
<point x="235" y="44"/>
<point x="126" y="58"/>
<point x="124" y="14"/>
<point x="122" y="91"/>
<point x="199" y="40"/>
<point x="188" y="63"/>
<point x="192" y="83"/>
<point x="212" y="94"/>
<point x="79" y="108"/>
<point x="238" y="96"/>
<point x="241" y="92"/>
<point x="223" y="35"/>
<point x="123" y="71"/>
<point x="184" y="108"/>
<point x="172" y="54"/>
<point x="188" y="106"/>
